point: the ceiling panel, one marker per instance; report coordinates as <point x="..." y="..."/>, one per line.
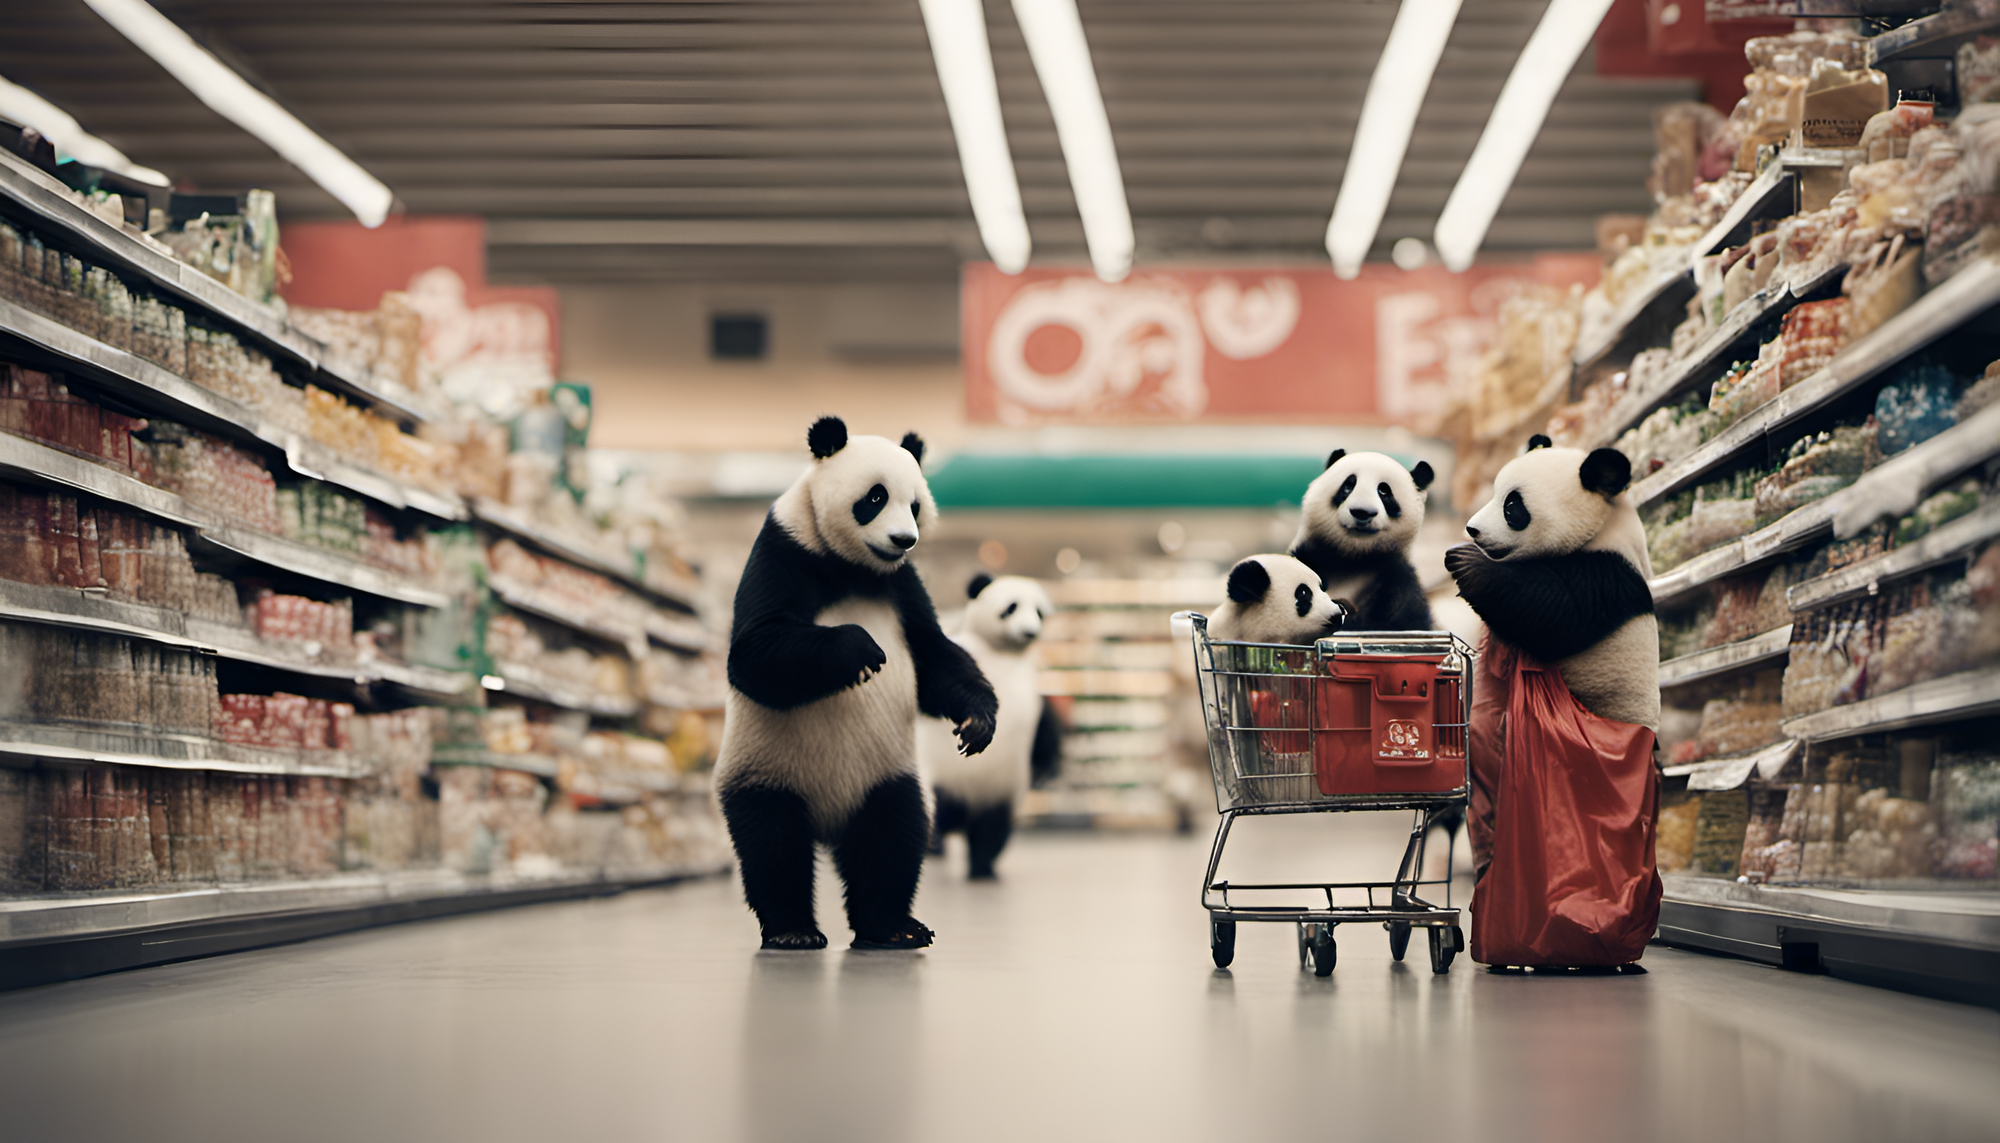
<point x="781" y="122"/>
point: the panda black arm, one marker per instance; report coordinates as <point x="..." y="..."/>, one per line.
<point x="1397" y="600"/>
<point x="778" y="656"/>
<point x="1045" y="759"/>
<point x="1551" y="608"/>
<point x="950" y="684"/>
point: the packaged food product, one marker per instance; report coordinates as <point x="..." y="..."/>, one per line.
<point x="1921" y="403"/>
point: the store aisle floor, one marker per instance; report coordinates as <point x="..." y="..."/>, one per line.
<point x="1074" y="1000"/>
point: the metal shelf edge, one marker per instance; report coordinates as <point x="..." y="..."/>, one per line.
<point x="1961" y="695"/>
<point x="1939" y="547"/>
<point x="1728" y="657"/>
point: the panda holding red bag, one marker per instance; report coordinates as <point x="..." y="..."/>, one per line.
<point x="1565" y="796"/>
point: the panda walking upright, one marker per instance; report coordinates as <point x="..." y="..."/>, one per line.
<point x="977" y="794"/>
<point x="833" y="651"/>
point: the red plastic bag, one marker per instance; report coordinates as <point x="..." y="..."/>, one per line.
<point x="1565" y="805"/>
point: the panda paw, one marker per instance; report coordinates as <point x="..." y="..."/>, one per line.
<point x="1460" y="560"/>
<point x="975" y="734"/>
<point x="861" y="649"/>
<point x="804" y="940"/>
<point x="911" y="934"/>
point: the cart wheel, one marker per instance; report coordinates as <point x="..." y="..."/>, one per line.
<point x="1222" y="942"/>
<point x="1305" y="945"/>
<point x="1444" y="945"/>
<point x="1399" y="938"/>
<point x="1324" y="953"/>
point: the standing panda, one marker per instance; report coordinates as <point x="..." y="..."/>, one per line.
<point x="833" y="652"/>
<point x="977" y="794"/>
<point x="1558" y="567"/>
<point x="1275" y="599"/>
<point x="1358" y="521"/>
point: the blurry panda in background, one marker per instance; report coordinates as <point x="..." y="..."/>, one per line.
<point x="1356" y="526"/>
<point x="1275" y="599"/>
<point x="976" y="794"/>
<point x="833" y="651"/>
<point x="1558" y="567"/>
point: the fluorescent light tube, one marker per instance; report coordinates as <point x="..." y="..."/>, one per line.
<point x="1062" y="62"/>
<point x="68" y="136"/>
<point x="965" y="71"/>
<point x="1566" y="27"/>
<point x="229" y="96"/>
<point x="1388" y="114"/>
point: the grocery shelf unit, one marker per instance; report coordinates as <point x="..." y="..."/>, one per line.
<point x="72" y="781"/>
<point x="1115" y="672"/>
<point x="1930" y="935"/>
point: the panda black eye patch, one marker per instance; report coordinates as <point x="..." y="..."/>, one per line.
<point x="871" y="505"/>
<point x="1515" y="510"/>
<point x="1011" y="609"/>
<point x="1346" y="489"/>
<point x="1304" y="596"/>
<point x="1389" y="505"/>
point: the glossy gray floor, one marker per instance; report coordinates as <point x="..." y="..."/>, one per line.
<point x="1073" y="1000"/>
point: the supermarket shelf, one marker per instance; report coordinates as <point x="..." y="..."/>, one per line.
<point x="144" y="383"/>
<point x="684" y="632"/>
<point x="1946" y="544"/>
<point x="47" y="940"/>
<point x="528" y="600"/>
<point x="93" y="611"/>
<point x="1891" y="488"/>
<point x="1766" y="762"/>
<point x="1752" y="652"/>
<point x="44" y="464"/>
<point x="46" y="205"/>
<point x="540" y="765"/>
<point x="170" y="751"/>
<point x="1670" y="284"/>
<point x="1941" y="943"/>
<point x="1931" y="37"/>
<point x="530" y="683"/>
<point x="1964" y="695"/>
<point x="1765" y="190"/>
<point x="1955" y="301"/>
<point x="515" y="523"/>
<point x="1704" y="359"/>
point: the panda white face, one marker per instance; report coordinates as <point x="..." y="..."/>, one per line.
<point x="864" y="498"/>
<point x="1275" y="599"/>
<point x="1364" y="502"/>
<point x="1007" y="612"/>
<point x="1550" y="501"/>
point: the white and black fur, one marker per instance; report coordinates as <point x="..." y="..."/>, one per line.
<point x="833" y="652"/>
<point x="1275" y="599"/>
<point x="1558" y="568"/>
<point x="1357" y="523"/>
<point x="977" y="794"/>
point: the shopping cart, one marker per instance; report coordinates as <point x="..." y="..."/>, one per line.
<point x="1372" y="720"/>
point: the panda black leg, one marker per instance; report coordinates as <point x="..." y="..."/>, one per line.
<point x="950" y="816"/>
<point x="772" y="832"/>
<point x="880" y="855"/>
<point x="986" y="834"/>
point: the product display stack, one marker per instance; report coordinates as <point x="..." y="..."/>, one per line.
<point x="1800" y="352"/>
<point x="292" y="642"/>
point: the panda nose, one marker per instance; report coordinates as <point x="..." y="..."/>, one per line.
<point x="1472" y="531"/>
<point x="1360" y="513"/>
<point x="903" y="540"/>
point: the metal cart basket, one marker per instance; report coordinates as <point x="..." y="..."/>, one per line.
<point x="1373" y="720"/>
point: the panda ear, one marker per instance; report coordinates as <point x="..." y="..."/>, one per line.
<point x="1606" y="472"/>
<point x="1539" y="441"/>
<point x="1333" y="457"/>
<point x="1248" y="581"/>
<point x="914" y="445"/>
<point x="827" y="436"/>
<point x="980" y="582"/>
<point x="1422" y="475"/>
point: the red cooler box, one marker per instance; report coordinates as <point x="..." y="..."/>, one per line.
<point x="1388" y="724"/>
